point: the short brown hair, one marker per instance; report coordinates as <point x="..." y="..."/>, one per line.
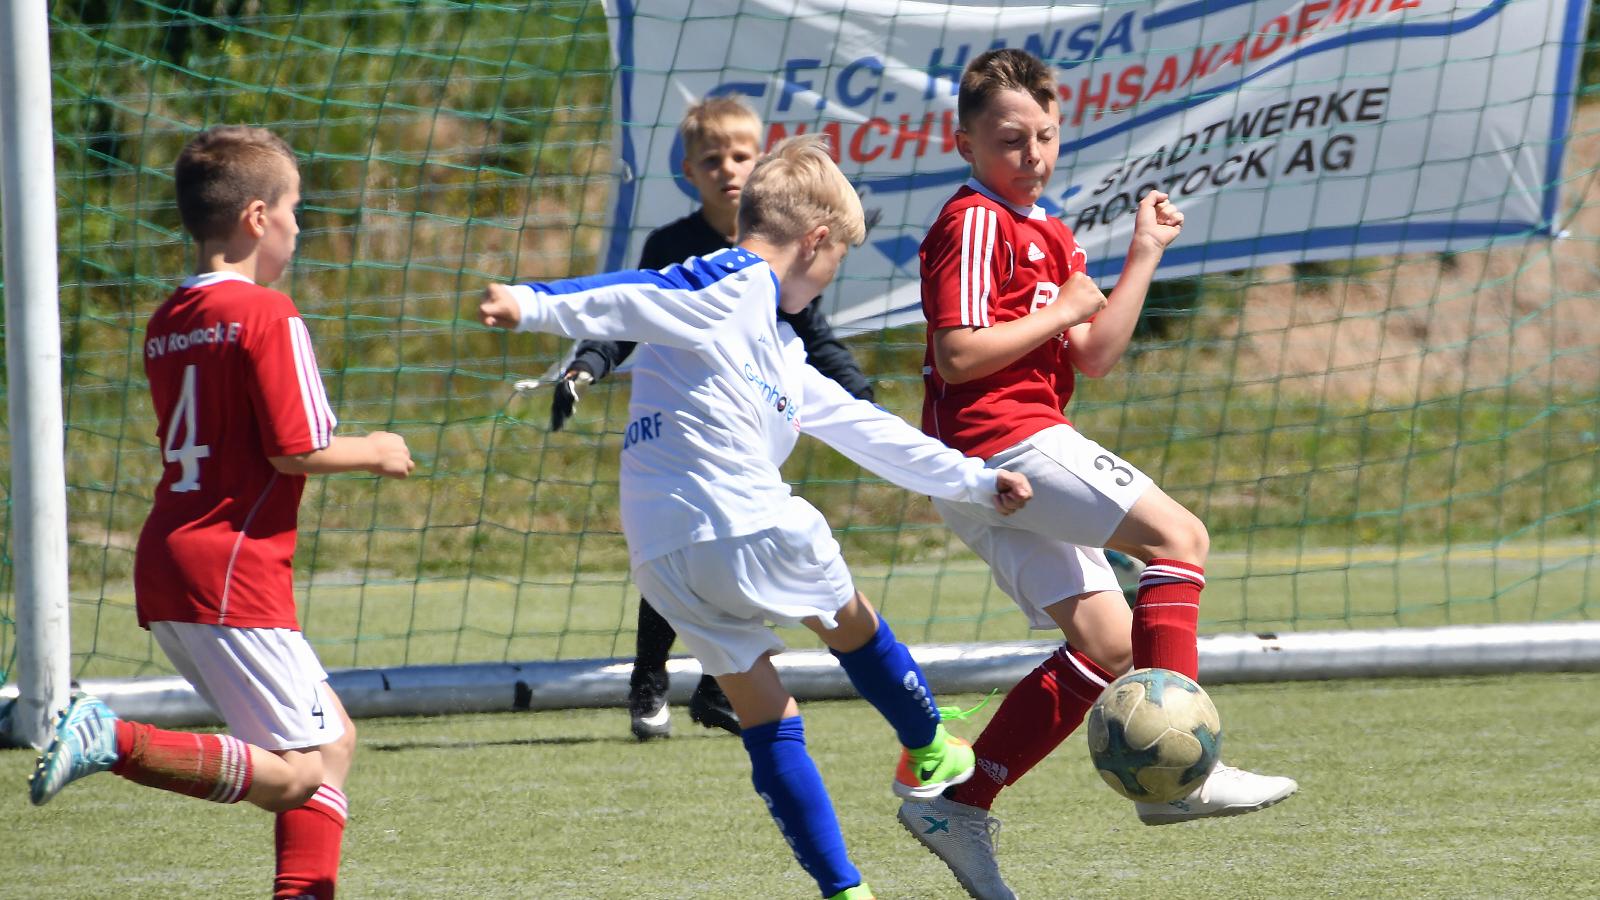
<point x="795" y="188"/>
<point x="1003" y="70"/>
<point x="722" y="119"/>
<point x="222" y="170"/>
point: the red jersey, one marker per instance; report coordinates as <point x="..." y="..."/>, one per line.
<point x="234" y="382"/>
<point x="984" y="262"/>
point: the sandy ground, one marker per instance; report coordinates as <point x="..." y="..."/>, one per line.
<point x="1525" y="315"/>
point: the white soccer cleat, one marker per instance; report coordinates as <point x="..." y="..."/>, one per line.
<point x="962" y="836"/>
<point x="1225" y="792"/>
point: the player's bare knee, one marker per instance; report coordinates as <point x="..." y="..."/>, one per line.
<point x="1117" y="660"/>
<point x="1186" y="539"/>
<point x="305" y="777"/>
<point x="1111" y="651"/>
<point x="292" y="794"/>
<point x="302" y="794"/>
<point x="344" y="748"/>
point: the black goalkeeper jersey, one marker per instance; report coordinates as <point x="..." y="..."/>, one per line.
<point x="691" y="236"/>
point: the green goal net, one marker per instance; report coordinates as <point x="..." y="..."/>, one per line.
<point x="1374" y="439"/>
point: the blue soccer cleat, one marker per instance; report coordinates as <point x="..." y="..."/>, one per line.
<point x="85" y="743"/>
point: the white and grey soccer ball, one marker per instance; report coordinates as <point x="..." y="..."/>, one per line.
<point x="1154" y="735"/>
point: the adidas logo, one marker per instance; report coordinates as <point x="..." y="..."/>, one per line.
<point x="993" y="770"/>
<point x="1034" y="253"/>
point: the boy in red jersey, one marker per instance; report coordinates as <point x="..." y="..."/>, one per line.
<point x="243" y="418"/>
<point x="1011" y="317"/>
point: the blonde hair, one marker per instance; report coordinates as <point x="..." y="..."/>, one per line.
<point x="224" y="169"/>
<point x="718" y="120"/>
<point x="1007" y="69"/>
<point x="795" y="188"/>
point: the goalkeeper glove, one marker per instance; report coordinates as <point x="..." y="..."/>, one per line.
<point x="569" y="390"/>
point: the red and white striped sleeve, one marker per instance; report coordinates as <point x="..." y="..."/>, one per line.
<point x="960" y="274"/>
<point x="290" y="401"/>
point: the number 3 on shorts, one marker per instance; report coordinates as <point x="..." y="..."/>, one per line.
<point x="1119" y="471"/>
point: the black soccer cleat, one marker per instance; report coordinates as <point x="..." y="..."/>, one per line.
<point x="647" y="705"/>
<point x="710" y="707"/>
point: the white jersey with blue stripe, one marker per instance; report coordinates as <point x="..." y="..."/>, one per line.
<point x="721" y="392"/>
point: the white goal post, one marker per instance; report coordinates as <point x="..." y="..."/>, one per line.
<point x="33" y="377"/>
<point x="952" y="668"/>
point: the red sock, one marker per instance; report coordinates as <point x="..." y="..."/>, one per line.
<point x="1038" y="714"/>
<point x="1167" y="617"/>
<point x="212" y="767"/>
<point x="308" y="840"/>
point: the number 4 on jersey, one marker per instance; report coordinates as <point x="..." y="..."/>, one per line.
<point x="188" y="454"/>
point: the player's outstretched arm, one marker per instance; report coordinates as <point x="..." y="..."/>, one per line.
<point x="1096" y="347"/>
<point x="380" y="452"/>
<point x="666" y="307"/>
<point x="887" y="445"/>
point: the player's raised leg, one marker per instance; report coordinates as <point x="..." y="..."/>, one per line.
<point x="1174" y="544"/>
<point x="90" y="738"/>
<point x="883" y="672"/>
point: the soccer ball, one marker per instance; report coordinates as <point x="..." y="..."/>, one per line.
<point x="1154" y="735"/>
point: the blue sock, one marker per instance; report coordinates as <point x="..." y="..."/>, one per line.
<point x="884" y="673"/>
<point x="787" y="779"/>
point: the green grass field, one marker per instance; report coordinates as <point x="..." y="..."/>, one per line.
<point x="1452" y="788"/>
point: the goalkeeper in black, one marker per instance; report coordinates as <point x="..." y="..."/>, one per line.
<point x="721" y="140"/>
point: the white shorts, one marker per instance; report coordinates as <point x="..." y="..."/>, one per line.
<point x="1050" y="549"/>
<point x="266" y="683"/>
<point x="719" y="595"/>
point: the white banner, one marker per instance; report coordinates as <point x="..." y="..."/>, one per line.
<point x="1284" y="131"/>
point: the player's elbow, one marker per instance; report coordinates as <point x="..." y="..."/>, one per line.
<point x="954" y="365"/>
<point x="1093" y="368"/>
<point x="952" y="373"/>
<point x="1091" y="364"/>
<point x="962" y="354"/>
<point x="290" y="465"/>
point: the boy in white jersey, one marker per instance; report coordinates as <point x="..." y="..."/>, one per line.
<point x="721" y="392"/>
<point x="1011" y="317"/>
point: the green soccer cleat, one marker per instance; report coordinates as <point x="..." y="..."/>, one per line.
<point x="927" y="771"/>
<point x="85" y="743"/>
<point x="859" y="892"/>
